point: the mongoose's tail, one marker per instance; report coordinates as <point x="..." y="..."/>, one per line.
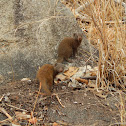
<point x="45" y="87"/>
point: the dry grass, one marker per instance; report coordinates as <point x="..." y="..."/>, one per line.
<point x="106" y="30"/>
<point x="109" y="32"/>
<point x="103" y="22"/>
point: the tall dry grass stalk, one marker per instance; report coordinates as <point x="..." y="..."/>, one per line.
<point x="107" y="31"/>
<point x="111" y="40"/>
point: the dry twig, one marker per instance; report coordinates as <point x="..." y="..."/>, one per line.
<point x="58" y="100"/>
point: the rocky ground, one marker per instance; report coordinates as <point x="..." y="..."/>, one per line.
<point x="71" y="106"/>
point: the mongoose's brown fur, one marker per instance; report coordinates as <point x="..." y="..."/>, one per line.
<point x="46" y="75"/>
<point x="68" y="46"/>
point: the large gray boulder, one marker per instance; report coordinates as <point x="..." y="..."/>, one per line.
<point x="30" y="32"/>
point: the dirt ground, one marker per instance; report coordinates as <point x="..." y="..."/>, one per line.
<point x="79" y="107"/>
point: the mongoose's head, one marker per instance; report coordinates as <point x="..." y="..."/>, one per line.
<point x="78" y="37"/>
<point x="58" y="68"/>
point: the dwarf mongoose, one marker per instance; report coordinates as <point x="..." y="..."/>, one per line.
<point x="68" y="47"/>
<point x="46" y="75"/>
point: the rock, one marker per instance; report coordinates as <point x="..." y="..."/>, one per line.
<point x="26" y="80"/>
<point x="6" y="98"/>
<point x="30" y="33"/>
<point x="64" y="87"/>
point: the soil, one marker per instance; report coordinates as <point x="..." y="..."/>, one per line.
<point x="81" y="106"/>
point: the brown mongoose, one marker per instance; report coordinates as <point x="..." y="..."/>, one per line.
<point x="46" y="75"/>
<point x="68" y="47"/>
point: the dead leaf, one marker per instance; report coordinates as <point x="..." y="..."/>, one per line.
<point x="82" y="80"/>
<point x="71" y="71"/>
<point x="93" y="74"/>
<point x="55" y="124"/>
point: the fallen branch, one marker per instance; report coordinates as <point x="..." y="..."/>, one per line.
<point x="2" y="97"/>
<point x="58" y="99"/>
<point x="90" y="78"/>
<point x="82" y="80"/>
<point x="37" y="96"/>
<point x="5" y="112"/>
<point x="16" y="107"/>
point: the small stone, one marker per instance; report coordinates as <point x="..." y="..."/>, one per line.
<point x="64" y="87"/>
<point x="6" y="98"/>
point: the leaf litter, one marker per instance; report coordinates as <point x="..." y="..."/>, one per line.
<point x="21" y="95"/>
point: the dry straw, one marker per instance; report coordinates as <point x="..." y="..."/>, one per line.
<point x="103" y="19"/>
